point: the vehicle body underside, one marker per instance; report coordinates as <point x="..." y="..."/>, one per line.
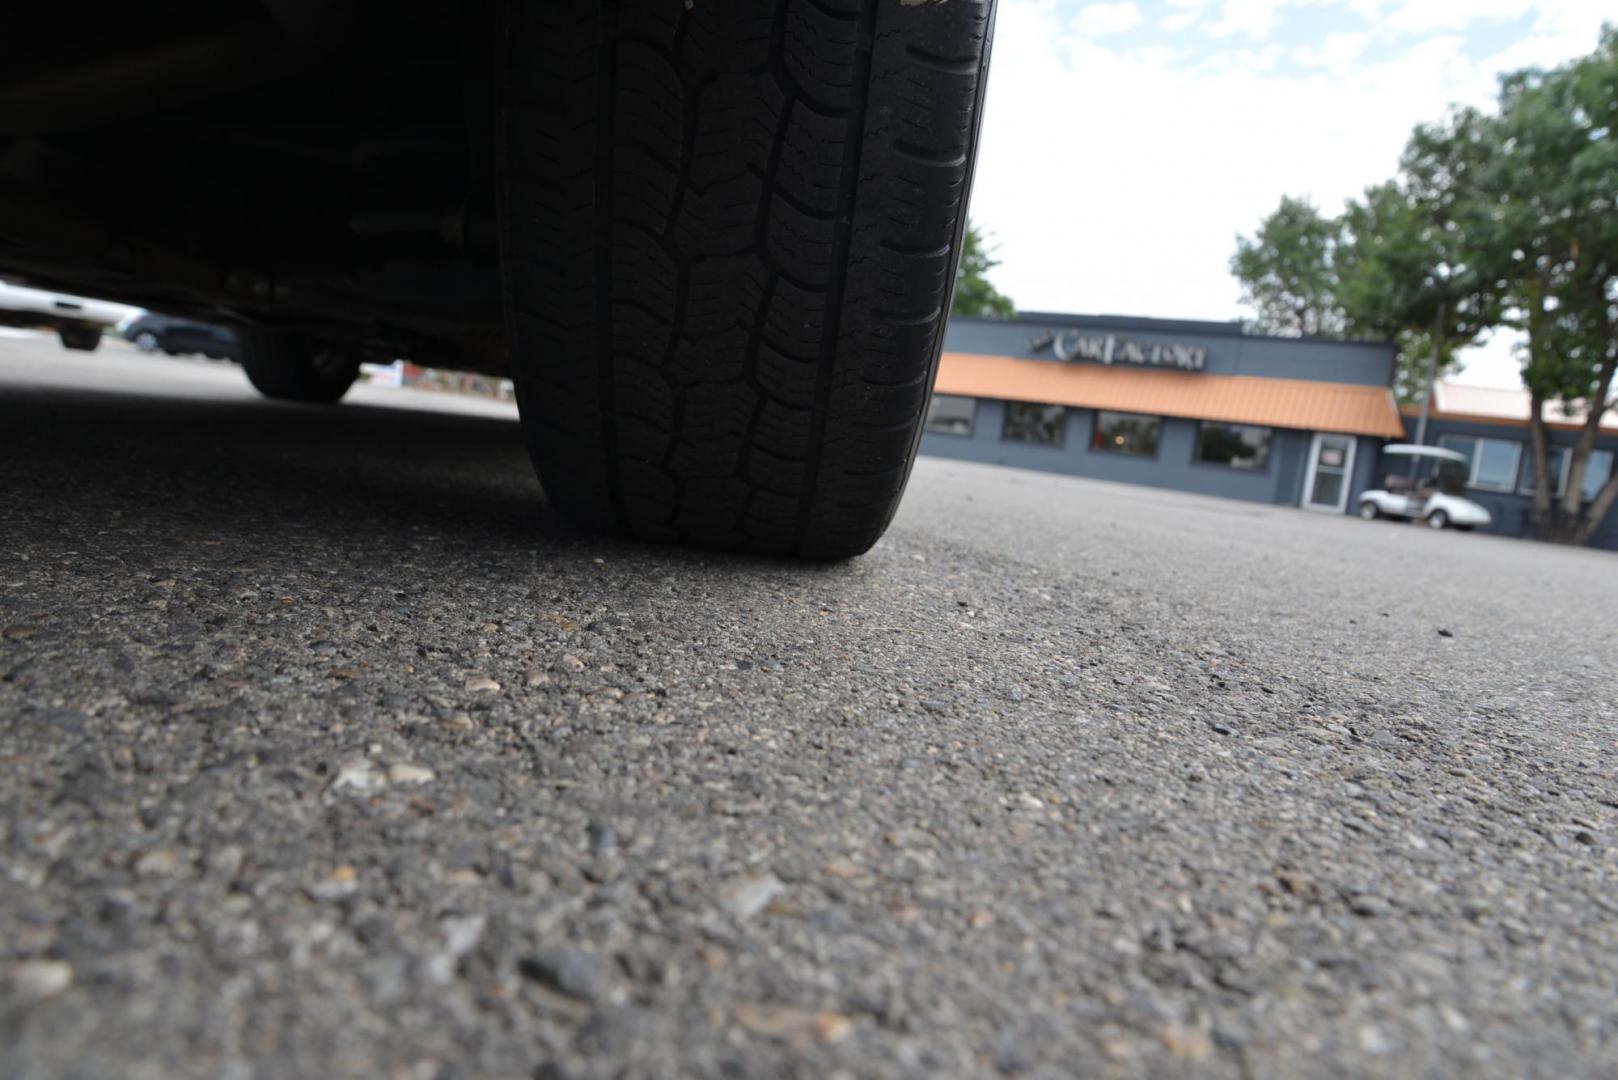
<point x="316" y="167"/>
<point x="713" y="244"/>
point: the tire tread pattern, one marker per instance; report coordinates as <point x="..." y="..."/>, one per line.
<point x="730" y="233"/>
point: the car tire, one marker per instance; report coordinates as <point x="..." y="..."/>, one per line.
<point x="1437" y="520"/>
<point x="296" y="367"/>
<point x="1369" y="511"/>
<point x="729" y="236"/>
<point x="147" y="342"/>
<point x="80" y="338"/>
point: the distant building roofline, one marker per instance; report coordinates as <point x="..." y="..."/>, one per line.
<point x="1500" y="405"/>
<point x="1240" y="399"/>
<point x="1233" y="328"/>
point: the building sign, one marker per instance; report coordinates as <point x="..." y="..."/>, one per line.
<point x="1112" y="349"/>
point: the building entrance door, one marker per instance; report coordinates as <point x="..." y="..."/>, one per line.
<point x="1331" y="463"/>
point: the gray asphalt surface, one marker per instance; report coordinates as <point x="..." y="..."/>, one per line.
<point x="325" y="750"/>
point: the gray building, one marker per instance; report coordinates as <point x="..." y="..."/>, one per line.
<point x="1208" y="408"/>
<point x="1490" y="427"/>
<point x="1193" y="406"/>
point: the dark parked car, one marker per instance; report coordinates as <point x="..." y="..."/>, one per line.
<point x="713" y="243"/>
<point x="177" y="337"/>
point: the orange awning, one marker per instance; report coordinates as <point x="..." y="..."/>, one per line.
<point x="1235" y="399"/>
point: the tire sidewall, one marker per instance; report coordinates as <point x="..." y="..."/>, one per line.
<point x="283" y="366"/>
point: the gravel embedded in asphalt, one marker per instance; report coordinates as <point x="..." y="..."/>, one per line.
<point x="328" y="751"/>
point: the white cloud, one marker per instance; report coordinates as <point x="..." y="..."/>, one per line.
<point x="1156" y="55"/>
<point x="1129" y="202"/>
<point x="1337" y="54"/>
<point x="1180" y="20"/>
<point x="1428" y="16"/>
<point x="1253" y="60"/>
<point x="1101" y="20"/>
<point x="1252" y="18"/>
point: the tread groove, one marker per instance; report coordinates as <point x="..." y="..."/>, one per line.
<point x="847" y="192"/>
<point x="606" y="112"/>
<point x="917" y="251"/>
<point x="922" y="155"/>
<point x="909" y="318"/>
<point x="954" y="65"/>
<point x="682" y="288"/>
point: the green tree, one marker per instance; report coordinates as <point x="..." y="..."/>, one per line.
<point x="1551" y="191"/>
<point x="1288" y="272"/>
<point x="974" y="295"/>
<point x="1503" y="219"/>
<point x="1384" y="266"/>
<point x="1411" y="266"/>
<point x="1362" y="274"/>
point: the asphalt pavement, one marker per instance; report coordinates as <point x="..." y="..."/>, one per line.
<point x="326" y="750"/>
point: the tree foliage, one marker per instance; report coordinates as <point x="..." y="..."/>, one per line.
<point x="1502" y="219"/>
<point x="974" y="295"/>
<point x="1288" y="272"/>
<point x="1411" y="267"/>
<point x="1550" y="194"/>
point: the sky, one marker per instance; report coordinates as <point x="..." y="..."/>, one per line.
<point x="1126" y="143"/>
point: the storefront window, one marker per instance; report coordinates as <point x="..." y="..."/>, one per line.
<point x="1492" y="462"/>
<point x="948" y="414"/>
<point x="1239" y="446"/>
<point x="1495" y="466"/>
<point x="1597" y="469"/>
<point x="1556" y="460"/>
<point x="1030" y="422"/>
<point x="1464" y="445"/>
<point x="1126" y="433"/>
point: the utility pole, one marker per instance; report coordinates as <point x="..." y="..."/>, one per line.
<point x="1432" y="373"/>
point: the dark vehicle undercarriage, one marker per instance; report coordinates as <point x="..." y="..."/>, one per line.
<point x="713" y="243"/>
<point x="318" y="167"/>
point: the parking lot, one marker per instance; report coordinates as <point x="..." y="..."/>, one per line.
<point x="327" y="751"/>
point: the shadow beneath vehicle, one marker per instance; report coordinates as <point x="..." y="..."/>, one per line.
<point x="140" y="476"/>
<point x="228" y="468"/>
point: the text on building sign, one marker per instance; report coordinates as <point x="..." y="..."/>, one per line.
<point x="1113" y="349"/>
